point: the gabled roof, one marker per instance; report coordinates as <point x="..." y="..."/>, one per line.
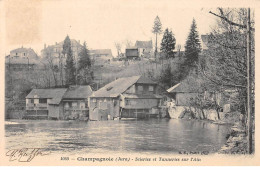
<point x="116" y="87"/>
<point x="144" y="44"/>
<point x="145" y="80"/>
<point x="55" y="94"/>
<point x="78" y="92"/>
<point x="186" y="87"/>
<point x="23" y="50"/>
<point x="183" y="88"/>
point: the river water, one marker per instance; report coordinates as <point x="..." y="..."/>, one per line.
<point x="136" y="136"/>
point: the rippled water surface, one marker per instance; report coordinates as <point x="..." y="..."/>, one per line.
<point x="144" y="136"/>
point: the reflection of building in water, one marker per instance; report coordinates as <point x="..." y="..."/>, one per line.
<point x="129" y="97"/>
<point x="58" y="103"/>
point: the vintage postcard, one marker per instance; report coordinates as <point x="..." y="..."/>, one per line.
<point x="128" y="82"/>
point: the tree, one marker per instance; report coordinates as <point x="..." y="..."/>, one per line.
<point x="157" y="30"/>
<point x="50" y="59"/>
<point x="69" y="67"/>
<point x="168" y="44"/>
<point x="224" y="64"/>
<point x="128" y="43"/>
<point x="192" y="50"/>
<point x="84" y="66"/>
<point x="118" y="46"/>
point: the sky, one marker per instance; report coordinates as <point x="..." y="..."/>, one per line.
<point x="99" y="23"/>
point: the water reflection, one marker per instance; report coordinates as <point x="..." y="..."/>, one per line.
<point x="144" y="136"/>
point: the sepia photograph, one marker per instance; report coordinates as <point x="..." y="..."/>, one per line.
<point x="152" y="81"/>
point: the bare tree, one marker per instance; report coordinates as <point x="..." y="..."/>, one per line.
<point x="53" y="67"/>
<point x="128" y="43"/>
<point x="225" y="63"/>
<point x="118" y="46"/>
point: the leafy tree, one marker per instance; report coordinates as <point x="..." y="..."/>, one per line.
<point x="69" y="67"/>
<point x="192" y="50"/>
<point x="84" y="66"/>
<point x="157" y="30"/>
<point x="225" y="61"/>
<point x="168" y="44"/>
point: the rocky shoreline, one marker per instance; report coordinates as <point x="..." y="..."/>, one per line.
<point x="236" y="141"/>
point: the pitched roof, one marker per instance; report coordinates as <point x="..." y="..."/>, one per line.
<point x="144" y="44"/>
<point x="185" y="87"/>
<point x="80" y="92"/>
<point x="22" y="50"/>
<point x="145" y="80"/>
<point x="55" y="94"/>
<point x="115" y="88"/>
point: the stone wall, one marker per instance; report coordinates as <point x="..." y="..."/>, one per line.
<point x="209" y="114"/>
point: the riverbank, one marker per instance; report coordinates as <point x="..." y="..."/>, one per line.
<point x="236" y="142"/>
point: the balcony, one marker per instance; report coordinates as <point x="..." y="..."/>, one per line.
<point x="40" y="106"/>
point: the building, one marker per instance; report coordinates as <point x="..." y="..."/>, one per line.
<point x="101" y="53"/>
<point x="45" y="103"/>
<point x="131" y="53"/>
<point x="58" y="103"/>
<point x="182" y="94"/>
<point x="75" y="101"/>
<point x="21" y="59"/>
<point x="23" y="53"/>
<point x="129" y="97"/>
<point x="55" y="51"/>
<point x="145" y="48"/>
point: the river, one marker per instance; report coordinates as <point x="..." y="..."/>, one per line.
<point x="160" y="136"/>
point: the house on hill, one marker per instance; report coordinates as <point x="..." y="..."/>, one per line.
<point x="55" y="51"/>
<point x="58" y="103"/>
<point x="21" y="59"/>
<point x="131" y="53"/>
<point x="103" y="53"/>
<point x="129" y="97"/>
<point x="145" y="48"/>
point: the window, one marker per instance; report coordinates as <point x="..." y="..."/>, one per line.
<point x="140" y="88"/>
<point x="151" y="88"/>
<point x="43" y="101"/>
<point x="16" y="53"/>
<point x="31" y="101"/>
<point x="74" y="104"/>
<point x="23" y="54"/>
<point x="127" y="102"/>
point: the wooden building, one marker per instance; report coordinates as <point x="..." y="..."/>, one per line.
<point x="58" y="103"/>
<point x="75" y="102"/>
<point x="131" y="53"/>
<point x="129" y="97"/>
<point x="145" y="48"/>
<point x="45" y="103"/>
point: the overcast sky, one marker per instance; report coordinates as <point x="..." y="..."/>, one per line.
<point x="101" y="24"/>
